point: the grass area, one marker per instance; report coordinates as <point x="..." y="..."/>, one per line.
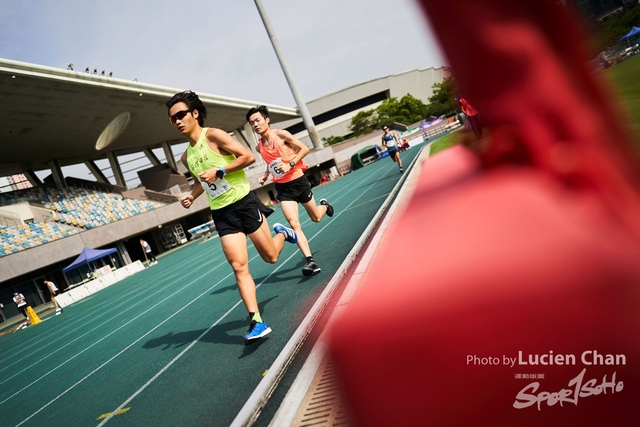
<point x="465" y="136"/>
<point x="625" y="77"/>
<point x="444" y="143"/>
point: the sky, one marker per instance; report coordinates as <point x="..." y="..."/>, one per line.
<point x="221" y="47"/>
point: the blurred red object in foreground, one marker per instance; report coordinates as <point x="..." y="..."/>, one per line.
<point x="516" y="302"/>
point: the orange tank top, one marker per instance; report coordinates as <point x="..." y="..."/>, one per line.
<point x="278" y="153"/>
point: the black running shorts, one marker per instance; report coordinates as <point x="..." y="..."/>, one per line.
<point x="298" y="190"/>
<point x="243" y="216"/>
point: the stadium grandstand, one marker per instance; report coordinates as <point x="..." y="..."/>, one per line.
<point x="90" y="161"/>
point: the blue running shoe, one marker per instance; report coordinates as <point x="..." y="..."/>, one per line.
<point x="289" y="234"/>
<point x="257" y="330"/>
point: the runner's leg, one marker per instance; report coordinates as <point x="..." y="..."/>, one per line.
<point x="398" y="159"/>
<point x="269" y="247"/>
<point x="290" y="211"/>
<point x="234" y="247"/>
<point x="315" y="212"/>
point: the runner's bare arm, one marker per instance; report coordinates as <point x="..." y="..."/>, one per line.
<point x="196" y="191"/>
<point x="298" y="145"/>
<point x="223" y="143"/>
<point x="264" y="177"/>
<point x="266" y="174"/>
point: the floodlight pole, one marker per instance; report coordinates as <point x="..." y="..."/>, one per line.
<point x="302" y="107"/>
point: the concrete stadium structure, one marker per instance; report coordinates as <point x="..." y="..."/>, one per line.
<point x="56" y="118"/>
<point x="332" y="113"/>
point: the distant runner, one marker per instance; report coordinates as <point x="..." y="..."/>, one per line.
<point x="390" y="140"/>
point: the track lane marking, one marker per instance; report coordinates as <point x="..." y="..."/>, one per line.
<point x="195" y="341"/>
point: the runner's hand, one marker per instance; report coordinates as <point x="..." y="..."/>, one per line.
<point x="187" y="201"/>
<point x="285" y="167"/>
<point x="208" y="176"/>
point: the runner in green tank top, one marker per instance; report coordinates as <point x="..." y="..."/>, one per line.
<point x="217" y="162"/>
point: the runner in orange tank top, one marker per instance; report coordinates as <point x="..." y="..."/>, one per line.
<point x="283" y="154"/>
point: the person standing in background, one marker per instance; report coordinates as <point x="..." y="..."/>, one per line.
<point x="53" y="289"/>
<point x="21" y="303"/>
<point x="148" y="253"/>
<point x="472" y="116"/>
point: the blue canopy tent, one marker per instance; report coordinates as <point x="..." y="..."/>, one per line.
<point x="87" y="255"/>
<point x="634" y="32"/>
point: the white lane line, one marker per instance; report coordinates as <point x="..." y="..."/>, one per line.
<point x="81" y="320"/>
<point x="129" y="307"/>
<point x="291" y="403"/>
<point x="261" y="393"/>
<point x="130" y="345"/>
<point x="157" y="375"/>
<point x="167" y="366"/>
<point x="116" y="330"/>
<point x="122" y="351"/>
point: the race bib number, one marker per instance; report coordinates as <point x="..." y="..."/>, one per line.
<point x="275" y="168"/>
<point x="218" y="188"/>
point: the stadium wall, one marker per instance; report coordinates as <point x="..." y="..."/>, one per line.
<point x="23" y="262"/>
<point x="332" y="113"/>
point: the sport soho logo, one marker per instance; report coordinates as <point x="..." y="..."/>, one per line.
<point x="577" y="388"/>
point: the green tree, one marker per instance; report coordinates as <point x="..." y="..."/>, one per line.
<point x="330" y="140"/>
<point x="616" y="26"/>
<point x="406" y="111"/>
<point x="443" y="100"/>
<point x="363" y="122"/>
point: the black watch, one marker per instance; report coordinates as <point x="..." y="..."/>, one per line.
<point x="292" y="164"/>
<point x="220" y="173"/>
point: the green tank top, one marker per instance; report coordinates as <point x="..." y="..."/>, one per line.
<point x="223" y="192"/>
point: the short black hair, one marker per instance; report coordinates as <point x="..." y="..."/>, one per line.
<point x="192" y="101"/>
<point x="262" y="109"/>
